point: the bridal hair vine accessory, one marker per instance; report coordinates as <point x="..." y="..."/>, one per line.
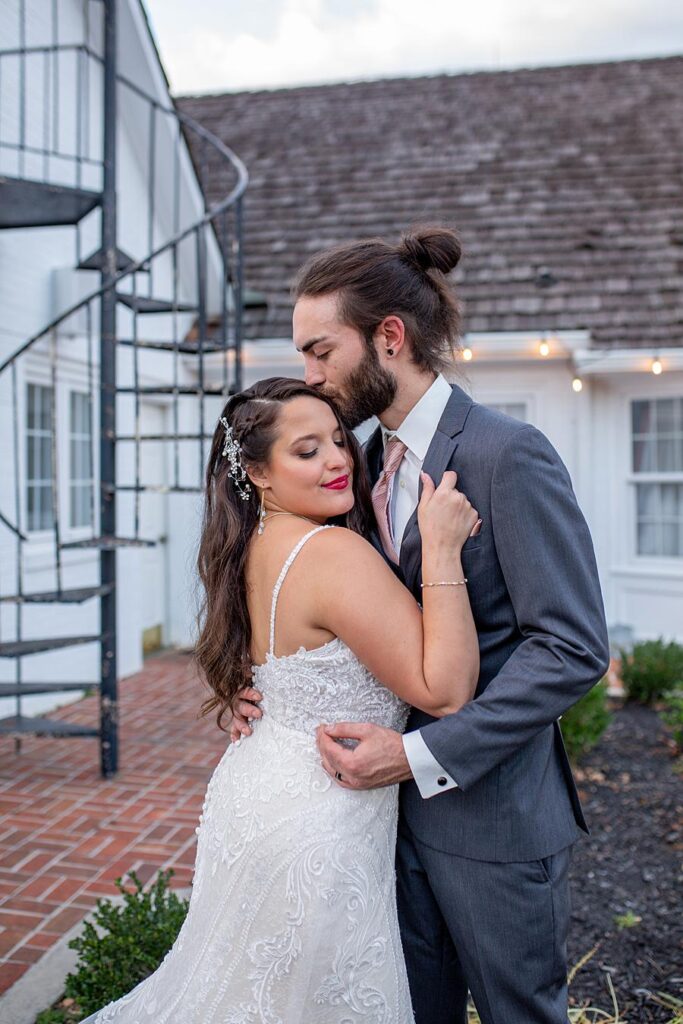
<point x="237" y="472"/>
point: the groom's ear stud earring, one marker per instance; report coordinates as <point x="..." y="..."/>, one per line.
<point x="390" y="351"/>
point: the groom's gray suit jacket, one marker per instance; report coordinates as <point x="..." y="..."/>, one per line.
<point x="535" y="596"/>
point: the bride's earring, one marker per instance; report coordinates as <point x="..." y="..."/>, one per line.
<point x="262" y="513"/>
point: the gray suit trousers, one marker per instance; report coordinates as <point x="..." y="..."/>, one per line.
<point x="498" y="929"/>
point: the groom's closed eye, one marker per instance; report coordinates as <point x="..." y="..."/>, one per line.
<point x="309" y="345"/>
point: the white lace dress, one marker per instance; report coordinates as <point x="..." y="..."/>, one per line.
<point x="292" y="918"/>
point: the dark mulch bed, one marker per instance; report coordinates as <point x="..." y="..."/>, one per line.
<point x="632" y="792"/>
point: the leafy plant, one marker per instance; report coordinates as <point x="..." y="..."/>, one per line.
<point x="51" y="1016"/>
<point x="652" y="669"/>
<point x="125" y="944"/>
<point x="584" y="723"/>
<point x="673" y="716"/>
<point x="627" y="920"/>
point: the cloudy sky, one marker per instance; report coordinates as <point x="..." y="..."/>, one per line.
<point x="214" y="45"/>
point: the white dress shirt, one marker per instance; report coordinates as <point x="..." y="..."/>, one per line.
<point x="416" y="433"/>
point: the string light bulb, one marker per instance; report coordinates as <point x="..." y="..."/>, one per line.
<point x="544" y="348"/>
<point x="467" y="354"/>
<point x="577" y="384"/>
<point x="656" y="366"/>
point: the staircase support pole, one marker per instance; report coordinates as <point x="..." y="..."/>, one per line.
<point x="108" y="601"/>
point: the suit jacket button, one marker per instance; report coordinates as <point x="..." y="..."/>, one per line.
<point x="442" y="780"/>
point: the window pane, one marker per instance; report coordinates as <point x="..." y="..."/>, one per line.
<point x="87" y="459"/>
<point x="648" y="504"/>
<point x="45" y="458"/>
<point x="666" y="415"/>
<point x="641" y="417"/>
<point x="644" y="453"/>
<point x="670" y="534"/>
<point x="39" y="456"/>
<point x="80" y="458"/>
<point x="647" y="539"/>
<point x="671" y="500"/>
<point x="657" y="434"/>
<point x="666" y="456"/>
<point x="46" y="505"/>
<point x="80" y="507"/>
<point x="45" y="409"/>
<point x="659" y="508"/>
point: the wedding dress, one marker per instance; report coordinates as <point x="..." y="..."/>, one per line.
<point x="292" y="918"/>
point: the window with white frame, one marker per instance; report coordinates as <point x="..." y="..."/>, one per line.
<point x="517" y="410"/>
<point x="80" y="459"/>
<point x="39" y="401"/>
<point x="657" y="456"/>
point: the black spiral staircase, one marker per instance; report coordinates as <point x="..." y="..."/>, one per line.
<point x="182" y="300"/>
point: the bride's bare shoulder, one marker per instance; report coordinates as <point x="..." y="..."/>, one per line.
<point x="346" y="544"/>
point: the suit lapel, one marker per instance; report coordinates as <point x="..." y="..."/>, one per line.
<point x="374" y="455"/>
<point x="437" y="460"/>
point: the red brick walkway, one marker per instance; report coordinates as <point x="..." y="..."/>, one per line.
<point x="66" y="833"/>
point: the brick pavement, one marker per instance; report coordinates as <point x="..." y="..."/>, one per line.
<point x="66" y="833"/>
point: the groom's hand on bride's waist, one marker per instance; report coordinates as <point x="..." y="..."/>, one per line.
<point x="245" y="711"/>
<point x="377" y="759"/>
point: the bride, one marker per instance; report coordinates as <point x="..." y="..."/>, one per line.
<point x="292" y="918"/>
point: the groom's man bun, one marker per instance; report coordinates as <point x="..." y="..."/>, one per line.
<point x="432" y="249"/>
<point x="374" y="279"/>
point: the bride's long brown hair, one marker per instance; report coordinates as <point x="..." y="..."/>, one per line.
<point x="223" y="650"/>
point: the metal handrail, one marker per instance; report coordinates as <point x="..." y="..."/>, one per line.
<point x="236" y="193"/>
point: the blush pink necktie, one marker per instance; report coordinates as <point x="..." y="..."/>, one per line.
<point x="393" y="454"/>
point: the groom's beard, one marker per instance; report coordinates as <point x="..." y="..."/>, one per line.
<point x="369" y="389"/>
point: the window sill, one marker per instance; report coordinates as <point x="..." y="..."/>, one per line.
<point x="669" y="568"/>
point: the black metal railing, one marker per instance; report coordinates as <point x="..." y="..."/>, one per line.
<point x="167" y="323"/>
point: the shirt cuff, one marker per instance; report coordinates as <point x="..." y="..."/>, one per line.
<point x="427" y="772"/>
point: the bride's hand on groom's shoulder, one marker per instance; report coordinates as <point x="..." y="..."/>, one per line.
<point x="378" y="758"/>
<point x="445" y="515"/>
<point x="245" y="712"/>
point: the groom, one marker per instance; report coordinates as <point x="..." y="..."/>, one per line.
<point x="489" y="809"/>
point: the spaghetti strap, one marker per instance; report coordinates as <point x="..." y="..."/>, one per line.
<point x="281" y="578"/>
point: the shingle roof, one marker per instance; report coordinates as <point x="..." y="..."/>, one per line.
<point x="576" y="169"/>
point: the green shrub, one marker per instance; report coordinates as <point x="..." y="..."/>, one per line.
<point x="651" y="669"/>
<point x="673" y="716"/>
<point x="584" y="723"/>
<point x="127" y="945"/>
<point x="52" y="1016"/>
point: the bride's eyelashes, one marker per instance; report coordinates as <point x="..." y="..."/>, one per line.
<point x="309" y="455"/>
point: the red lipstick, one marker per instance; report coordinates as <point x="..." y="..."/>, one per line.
<point x="340" y="484"/>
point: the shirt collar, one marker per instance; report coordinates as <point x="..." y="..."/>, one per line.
<point x="419" y="426"/>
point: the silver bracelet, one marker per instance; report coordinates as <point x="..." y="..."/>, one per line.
<point x="446" y="583"/>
